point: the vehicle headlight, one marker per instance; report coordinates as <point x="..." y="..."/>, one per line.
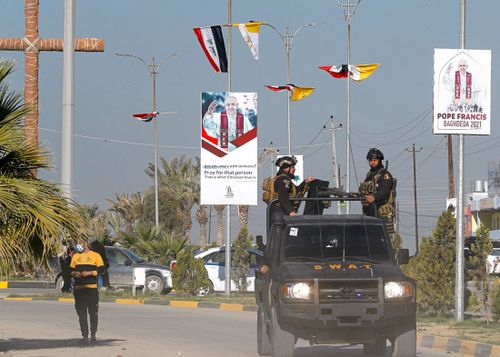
<point x="397" y="289"/>
<point x="296" y="290"/>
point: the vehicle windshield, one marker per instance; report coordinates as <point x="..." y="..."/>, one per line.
<point x="135" y="258"/>
<point x="336" y="241"/>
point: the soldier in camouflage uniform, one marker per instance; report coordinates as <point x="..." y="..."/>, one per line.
<point x="284" y="186"/>
<point x="376" y="190"/>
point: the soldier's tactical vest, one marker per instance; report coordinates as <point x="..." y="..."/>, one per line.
<point x="385" y="211"/>
<point x="269" y="194"/>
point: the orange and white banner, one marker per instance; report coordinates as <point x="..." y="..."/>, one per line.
<point x="462" y="86"/>
<point x="228" y="148"/>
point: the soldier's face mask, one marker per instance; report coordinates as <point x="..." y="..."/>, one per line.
<point x="79" y="248"/>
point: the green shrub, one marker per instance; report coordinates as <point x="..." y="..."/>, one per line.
<point x="434" y="269"/>
<point x="496" y="301"/>
<point x="241" y="259"/>
<point x="189" y="275"/>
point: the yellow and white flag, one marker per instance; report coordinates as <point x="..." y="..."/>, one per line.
<point x="301" y="92"/>
<point x="250" y="33"/>
<point x="358" y="72"/>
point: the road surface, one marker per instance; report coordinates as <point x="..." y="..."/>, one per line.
<point x="50" y="328"/>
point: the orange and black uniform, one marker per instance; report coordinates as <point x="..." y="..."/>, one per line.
<point x="86" y="293"/>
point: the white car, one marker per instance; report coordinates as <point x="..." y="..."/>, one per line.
<point x="215" y="259"/>
<point x="494" y="261"/>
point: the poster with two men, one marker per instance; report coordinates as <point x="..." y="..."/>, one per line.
<point x="228" y="148"/>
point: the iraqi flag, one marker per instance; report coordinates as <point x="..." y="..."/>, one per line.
<point x="336" y="71"/>
<point x="279" y="88"/>
<point x="145" y="117"/>
<point x="357" y="72"/>
<point x="212" y="43"/>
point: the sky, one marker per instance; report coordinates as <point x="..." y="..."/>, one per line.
<point x="391" y="110"/>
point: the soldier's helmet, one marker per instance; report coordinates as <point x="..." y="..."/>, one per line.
<point x="286" y="161"/>
<point x="374" y="153"/>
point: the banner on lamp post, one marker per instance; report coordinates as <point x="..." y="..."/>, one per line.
<point x="462" y="86"/>
<point x="228" y="148"/>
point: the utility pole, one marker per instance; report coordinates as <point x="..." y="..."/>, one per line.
<point x="413" y="151"/>
<point x="451" y="177"/>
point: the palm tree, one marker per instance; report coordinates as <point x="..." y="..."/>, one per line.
<point x="128" y="207"/>
<point x="34" y="217"/>
<point x="202" y="218"/>
<point x="179" y="182"/>
<point x="220" y="224"/>
<point x="243" y="215"/>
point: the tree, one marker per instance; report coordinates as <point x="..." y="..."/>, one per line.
<point x="179" y="186"/>
<point x="219" y="209"/>
<point x="483" y="282"/>
<point x="241" y="259"/>
<point x="202" y="218"/>
<point x="153" y="244"/>
<point x="129" y="208"/>
<point x="190" y="275"/>
<point x="434" y="268"/>
<point x="34" y="216"/>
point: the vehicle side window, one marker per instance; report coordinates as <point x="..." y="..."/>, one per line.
<point x="255" y="260"/>
<point x="216" y="258"/>
<point x="111" y="254"/>
<point x="120" y="258"/>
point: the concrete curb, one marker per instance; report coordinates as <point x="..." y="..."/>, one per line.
<point x="173" y="303"/>
<point x="464" y="347"/>
<point x="27" y="285"/>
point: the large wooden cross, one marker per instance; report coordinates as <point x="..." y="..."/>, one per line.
<point x="32" y="44"/>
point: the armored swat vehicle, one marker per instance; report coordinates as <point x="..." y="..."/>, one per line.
<point x="333" y="279"/>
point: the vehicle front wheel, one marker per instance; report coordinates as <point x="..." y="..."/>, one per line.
<point x="282" y="342"/>
<point x="405" y="340"/>
<point x="375" y="349"/>
<point x="154" y="284"/>
<point x="263" y="343"/>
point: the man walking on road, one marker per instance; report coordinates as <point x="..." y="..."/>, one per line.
<point x="86" y="265"/>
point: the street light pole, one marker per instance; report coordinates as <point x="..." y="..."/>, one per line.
<point x="287" y="40"/>
<point x="349" y="11"/>
<point x="336" y="171"/>
<point x="153" y="71"/>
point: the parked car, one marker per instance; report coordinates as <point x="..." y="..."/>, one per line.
<point x="494" y="261"/>
<point x="215" y="260"/>
<point x="122" y="262"/>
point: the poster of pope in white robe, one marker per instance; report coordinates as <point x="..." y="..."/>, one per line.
<point x="228" y="148"/>
<point x="462" y="83"/>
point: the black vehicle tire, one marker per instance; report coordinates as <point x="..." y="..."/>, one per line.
<point x="263" y="342"/>
<point x="154" y="284"/>
<point x="282" y="342"/>
<point x="375" y="349"/>
<point x="405" y="340"/>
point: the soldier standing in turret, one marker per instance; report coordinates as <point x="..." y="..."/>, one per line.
<point x="376" y="190"/>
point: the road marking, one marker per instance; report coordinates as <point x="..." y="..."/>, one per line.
<point x="19" y="298"/>
<point x="4" y="284"/>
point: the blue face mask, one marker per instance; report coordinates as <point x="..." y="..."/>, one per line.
<point x="79" y="248"/>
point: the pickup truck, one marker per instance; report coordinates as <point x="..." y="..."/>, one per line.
<point x="333" y="279"/>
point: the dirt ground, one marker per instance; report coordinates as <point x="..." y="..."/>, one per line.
<point x="473" y="330"/>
